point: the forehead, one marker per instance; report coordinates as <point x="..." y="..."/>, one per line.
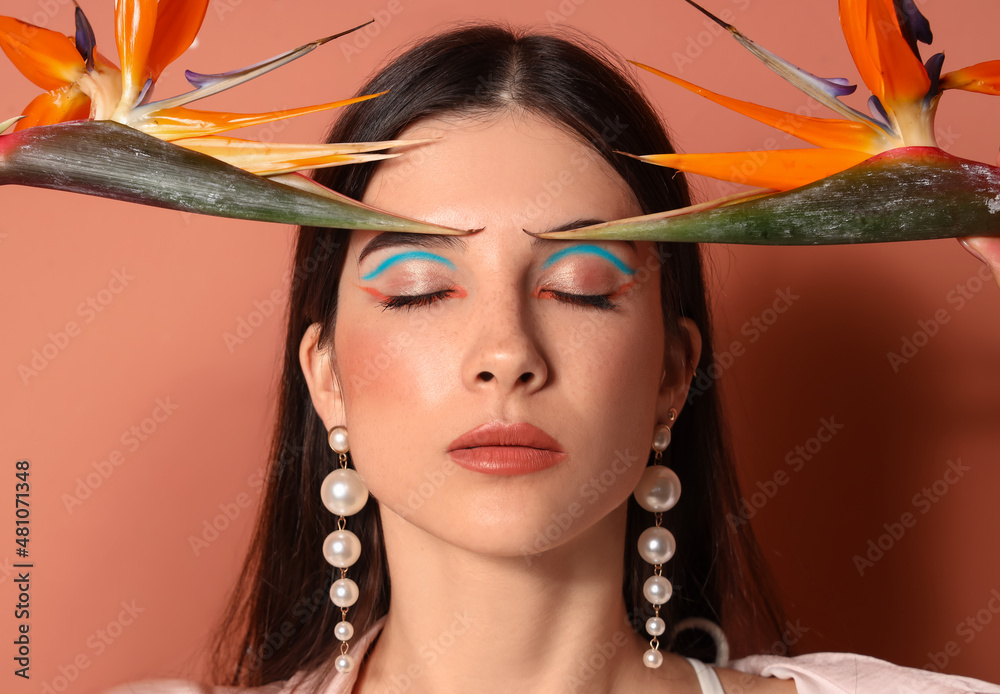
<point x="502" y="173"/>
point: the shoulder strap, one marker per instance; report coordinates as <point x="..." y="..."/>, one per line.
<point x="707" y="678"/>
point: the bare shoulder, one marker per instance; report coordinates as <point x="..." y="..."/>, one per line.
<point x="160" y="687"/>
<point x="736" y="682"/>
<point x="176" y="686"/>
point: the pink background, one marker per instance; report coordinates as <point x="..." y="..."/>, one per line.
<point x="193" y="279"/>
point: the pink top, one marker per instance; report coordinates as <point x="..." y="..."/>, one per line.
<point x="814" y="673"/>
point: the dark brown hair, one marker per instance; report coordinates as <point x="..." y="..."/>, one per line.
<point x="280" y="619"/>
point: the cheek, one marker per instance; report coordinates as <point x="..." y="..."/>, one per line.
<point x="617" y="359"/>
<point x="611" y="372"/>
<point x="389" y="370"/>
<point x="396" y="362"/>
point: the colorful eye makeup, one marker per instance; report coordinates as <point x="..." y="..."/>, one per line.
<point x="591" y="249"/>
<point x="408" y="255"/>
<point x="602" y="301"/>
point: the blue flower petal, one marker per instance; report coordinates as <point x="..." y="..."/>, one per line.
<point x="913" y="24"/>
<point x="836" y="86"/>
<point x="145" y="90"/>
<point x="86" y="41"/>
<point x="878" y="111"/>
<point x="199" y="79"/>
<point x="933" y="66"/>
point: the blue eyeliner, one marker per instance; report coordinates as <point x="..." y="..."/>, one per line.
<point x="409" y="255"/>
<point x="589" y="248"/>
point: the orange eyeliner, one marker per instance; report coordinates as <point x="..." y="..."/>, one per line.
<point x="374" y="292"/>
<point x="456" y="292"/>
<point x="621" y="290"/>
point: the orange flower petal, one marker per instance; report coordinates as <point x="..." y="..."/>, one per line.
<point x="45" y="57"/>
<point x="780" y="169"/>
<point x="904" y="77"/>
<point x="982" y="77"/>
<point x="58" y="106"/>
<point x="135" y="22"/>
<point x="835" y="133"/>
<point x="180" y="121"/>
<point x="854" y="22"/>
<point x="177" y="24"/>
<point x="274" y="158"/>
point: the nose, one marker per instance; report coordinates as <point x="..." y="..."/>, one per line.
<point x="504" y="352"/>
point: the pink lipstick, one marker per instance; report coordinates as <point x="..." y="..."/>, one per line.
<point x="498" y="448"/>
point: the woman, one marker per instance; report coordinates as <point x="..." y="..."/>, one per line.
<point x="501" y="397"/>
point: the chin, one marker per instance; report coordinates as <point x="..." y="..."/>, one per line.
<point x="519" y="518"/>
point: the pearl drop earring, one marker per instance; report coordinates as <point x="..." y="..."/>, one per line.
<point x="344" y="493"/>
<point x="657" y="491"/>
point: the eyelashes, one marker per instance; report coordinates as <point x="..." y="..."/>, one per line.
<point x="598" y="301"/>
<point x="601" y="302"/>
<point x="409" y="302"/>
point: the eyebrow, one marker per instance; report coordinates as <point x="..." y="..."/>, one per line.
<point x="399" y="238"/>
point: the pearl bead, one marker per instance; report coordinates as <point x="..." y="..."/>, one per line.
<point x="661" y="438"/>
<point x="655" y="626"/>
<point x="344" y="663"/>
<point x="656" y="545"/>
<point x="338" y="439"/>
<point x="658" y="489"/>
<point x="657" y="590"/>
<point x="343" y="492"/>
<point x="344" y="593"/>
<point x="342" y="548"/>
<point x="343" y="631"/>
<point x="652" y="658"/>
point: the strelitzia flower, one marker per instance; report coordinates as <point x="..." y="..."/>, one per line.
<point x="877" y="176"/>
<point x="95" y="129"/>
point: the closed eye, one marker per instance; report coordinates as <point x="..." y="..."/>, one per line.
<point x="599" y="301"/>
<point x="409" y="302"/>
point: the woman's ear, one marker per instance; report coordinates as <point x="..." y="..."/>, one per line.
<point x="680" y="359"/>
<point x="324" y="387"/>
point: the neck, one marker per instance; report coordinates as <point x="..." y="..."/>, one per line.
<point x="461" y="621"/>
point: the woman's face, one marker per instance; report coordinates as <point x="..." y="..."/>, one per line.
<point x="500" y="333"/>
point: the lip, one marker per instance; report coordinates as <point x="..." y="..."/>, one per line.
<point x="500" y="448"/>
